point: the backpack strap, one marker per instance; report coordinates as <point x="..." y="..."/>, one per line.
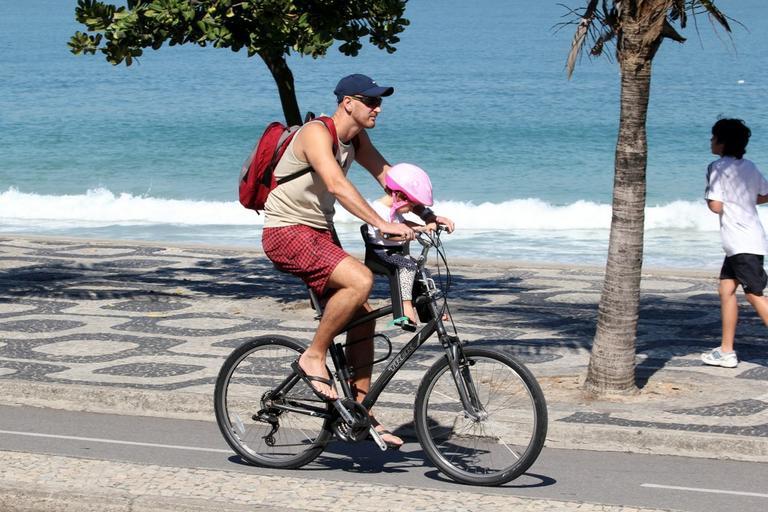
<point x="328" y="122"/>
<point x="331" y="126"/>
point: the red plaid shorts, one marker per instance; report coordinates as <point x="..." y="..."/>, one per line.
<point x="308" y="253"/>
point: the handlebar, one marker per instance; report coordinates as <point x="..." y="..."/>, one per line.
<point x="419" y="234"/>
<point x="427" y="240"/>
<point x="424" y="236"/>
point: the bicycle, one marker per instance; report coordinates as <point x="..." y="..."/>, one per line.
<point x="480" y="415"/>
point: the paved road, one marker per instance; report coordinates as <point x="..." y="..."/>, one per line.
<point x="570" y="475"/>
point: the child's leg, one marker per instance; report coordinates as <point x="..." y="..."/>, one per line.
<point x="729" y="312"/>
<point x="407" y="276"/>
<point x="406" y="273"/>
<point x="409" y="311"/>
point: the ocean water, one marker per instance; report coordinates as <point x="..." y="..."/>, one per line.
<point x="520" y="157"/>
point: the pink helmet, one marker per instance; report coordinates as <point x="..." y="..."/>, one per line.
<point x="412" y="181"/>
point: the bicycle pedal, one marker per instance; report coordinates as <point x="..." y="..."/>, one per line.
<point x="377" y="439"/>
<point x="408" y="327"/>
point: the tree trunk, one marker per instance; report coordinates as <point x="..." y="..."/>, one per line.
<point x="284" y="80"/>
<point x="612" y="362"/>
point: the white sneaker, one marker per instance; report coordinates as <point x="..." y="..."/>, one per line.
<point x="717" y="358"/>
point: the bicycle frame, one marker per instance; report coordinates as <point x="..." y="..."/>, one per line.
<point x="479" y="414"/>
<point x="392" y="367"/>
<point x="451" y="344"/>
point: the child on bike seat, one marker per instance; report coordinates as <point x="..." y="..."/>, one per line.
<point x="406" y="186"/>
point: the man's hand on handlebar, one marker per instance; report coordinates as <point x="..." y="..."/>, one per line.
<point x="397" y="231"/>
<point x="429" y="227"/>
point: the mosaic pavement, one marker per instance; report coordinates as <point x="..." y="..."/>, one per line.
<point x="136" y="316"/>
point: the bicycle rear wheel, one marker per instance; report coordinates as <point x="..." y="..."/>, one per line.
<point x="503" y="434"/>
<point x="254" y="423"/>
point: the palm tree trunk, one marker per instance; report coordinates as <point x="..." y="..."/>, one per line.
<point x="285" y="87"/>
<point x="612" y="362"/>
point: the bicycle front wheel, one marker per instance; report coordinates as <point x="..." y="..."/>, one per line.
<point x="266" y="428"/>
<point x="495" y="439"/>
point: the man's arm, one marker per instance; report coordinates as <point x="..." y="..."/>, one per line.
<point x="315" y="145"/>
<point x="369" y="157"/>
<point x="762" y="199"/>
<point x="715" y="206"/>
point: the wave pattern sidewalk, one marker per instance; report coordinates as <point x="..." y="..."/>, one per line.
<point x="143" y="329"/>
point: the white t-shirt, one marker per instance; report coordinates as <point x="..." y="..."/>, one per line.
<point x="737" y="183"/>
<point x="374" y="234"/>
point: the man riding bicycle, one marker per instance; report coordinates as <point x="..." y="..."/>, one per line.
<point x="299" y="235"/>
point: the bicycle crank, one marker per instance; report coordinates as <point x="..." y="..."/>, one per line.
<point x="353" y="422"/>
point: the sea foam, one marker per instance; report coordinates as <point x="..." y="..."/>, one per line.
<point x="101" y="207"/>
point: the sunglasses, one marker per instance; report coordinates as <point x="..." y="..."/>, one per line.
<point x="369" y="101"/>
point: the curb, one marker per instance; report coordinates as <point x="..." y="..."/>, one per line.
<point x="681" y="443"/>
<point x="107" y="400"/>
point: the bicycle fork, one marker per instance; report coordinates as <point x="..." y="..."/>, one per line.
<point x="457" y="362"/>
<point x="460" y="371"/>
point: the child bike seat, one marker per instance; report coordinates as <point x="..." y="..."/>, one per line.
<point x="379" y="266"/>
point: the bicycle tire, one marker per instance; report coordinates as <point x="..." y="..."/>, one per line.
<point x="248" y="373"/>
<point x="491" y="451"/>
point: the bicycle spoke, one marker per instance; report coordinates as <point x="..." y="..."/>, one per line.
<point x="258" y="429"/>
<point x="506" y="435"/>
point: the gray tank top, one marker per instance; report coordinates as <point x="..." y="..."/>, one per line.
<point x="304" y="200"/>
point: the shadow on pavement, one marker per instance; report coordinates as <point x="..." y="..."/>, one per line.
<point x="507" y="305"/>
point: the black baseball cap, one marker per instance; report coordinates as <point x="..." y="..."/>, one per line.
<point x="361" y="85"/>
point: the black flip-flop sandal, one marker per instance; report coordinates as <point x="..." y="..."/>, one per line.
<point x="308" y="379"/>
